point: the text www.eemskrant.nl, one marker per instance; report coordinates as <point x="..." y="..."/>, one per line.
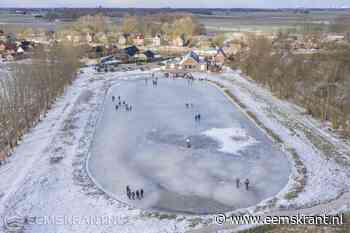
<point x="293" y="220"/>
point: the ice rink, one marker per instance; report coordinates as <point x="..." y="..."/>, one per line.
<point x="146" y="149"/>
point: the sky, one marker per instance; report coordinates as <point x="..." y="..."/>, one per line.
<point x="179" y="3"/>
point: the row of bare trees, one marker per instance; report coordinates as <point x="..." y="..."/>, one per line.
<point x="170" y="26"/>
<point x="30" y="89"/>
<point x="319" y="81"/>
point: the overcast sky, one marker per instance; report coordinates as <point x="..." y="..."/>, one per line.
<point x="177" y="3"/>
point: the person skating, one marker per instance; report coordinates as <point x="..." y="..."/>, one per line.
<point x="128" y="191"/>
<point x="141" y="193"/>
<point x="238" y="182"/>
<point x="116" y="107"/>
<point x="113" y="98"/>
<point x="188" y="142"/>
<point x="137" y="194"/>
<point x="133" y="195"/>
<point x="246" y="182"/>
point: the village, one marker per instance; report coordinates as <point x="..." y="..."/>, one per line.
<point x="164" y="121"/>
<point x="182" y="51"/>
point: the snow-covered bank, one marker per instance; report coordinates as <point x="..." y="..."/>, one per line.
<point x="38" y="189"/>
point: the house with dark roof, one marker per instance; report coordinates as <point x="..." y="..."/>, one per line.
<point x="131" y="50"/>
<point x="150" y="55"/>
<point x="192" y="62"/>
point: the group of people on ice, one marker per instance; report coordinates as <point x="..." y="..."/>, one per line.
<point x="133" y="195"/>
<point x="246" y="183"/>
<point x="120" y="104"/>
<point x="197" y="116"/>
<point x="189" y="105"/>
<point x="154" y="80"/>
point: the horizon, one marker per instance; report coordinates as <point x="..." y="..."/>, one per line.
<point x="180" y="4"/>
<point x="209" y="8"/>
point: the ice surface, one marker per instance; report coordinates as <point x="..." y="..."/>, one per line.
<point x="146" y="148"/>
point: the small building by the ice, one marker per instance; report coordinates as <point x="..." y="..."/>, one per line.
<point x="122" y="40"/>
<point x="2" y="47"/>
<point x="150" y="56"/>
<point x="192" y="62"/>
<point x="157" y="41"/>
<point x="20" y="50"/>
<point x="131" y="51"/>
<point x="220" y="57"/>
<point x="139" y="39"/>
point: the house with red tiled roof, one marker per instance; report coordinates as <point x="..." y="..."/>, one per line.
<point x="139" y="39"/>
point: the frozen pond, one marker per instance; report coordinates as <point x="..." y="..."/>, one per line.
<point x="146" y="148"/>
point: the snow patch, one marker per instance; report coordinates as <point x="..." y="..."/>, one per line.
<point x="232" y="140"/>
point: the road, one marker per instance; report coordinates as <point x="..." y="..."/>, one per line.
<point x="146" y="149"/>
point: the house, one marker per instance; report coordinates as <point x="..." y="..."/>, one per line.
<point x="178" y="41"/>
<point x="220" y="57"/>
<point x="2" y="35"/>
<point x="11" y="38"/>
<point x="150" y="56"/>
<point x="2" y="47"/>
<point x="50" y="35"/>
<point x="123" y="39"/>
<point x="157" y="41"/>
<point x="20" y="50"/>
<point x="89" y="37"/>
<point x="25" y="45"/>
<point x="10" y="48"/>
<point x="139" y="39"/>
<point x="192" y="62"/>
<point x="97" y="51"/>
<point x="113" y="49"/>
<point x="131" y="50"/>
<point x="101" y="37"/>
<point x="232" y="47"/>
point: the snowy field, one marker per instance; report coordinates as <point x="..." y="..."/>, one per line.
<point x="64" y="195"/>
<point x="146" y="148"/>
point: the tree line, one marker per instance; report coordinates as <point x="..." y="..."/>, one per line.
<point x="319" y="81"/>
<point x="30" y="89"/>
<point x="168" y="25"/>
